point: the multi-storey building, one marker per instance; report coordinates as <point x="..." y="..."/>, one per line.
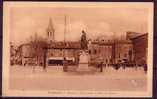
<point x="101" y="51"/>
<point x="27" y="54"/>
<point x="140" y="48"/>
<point x="123" y="51"/>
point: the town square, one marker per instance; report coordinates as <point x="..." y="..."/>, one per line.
<point x="80" y="47"/>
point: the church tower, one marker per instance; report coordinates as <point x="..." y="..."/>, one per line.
<point x="50" y="31"/>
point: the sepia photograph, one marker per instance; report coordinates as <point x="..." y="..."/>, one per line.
<point x="77" y="49"/>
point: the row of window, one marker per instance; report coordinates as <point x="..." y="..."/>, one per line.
<point x="126" y="54"/>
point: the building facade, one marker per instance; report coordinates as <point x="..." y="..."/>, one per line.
<point x="123" y="51"/>
<point x="111" y="52"/>
<point x="27" y="54"/>
<point x="57" y="51"/>
<point x="140" y="48"/>
<point x="100" y="51"/>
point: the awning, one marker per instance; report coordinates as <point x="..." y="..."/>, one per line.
<point x="61" y="58"/>
<point x="70" y="58"/>
<point x="55" y="58"/>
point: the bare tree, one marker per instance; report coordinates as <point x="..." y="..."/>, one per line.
<point x="38" y="44"/>
<point x="12" y="54"/>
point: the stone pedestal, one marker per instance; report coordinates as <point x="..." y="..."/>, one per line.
<point x="83" y="62"/>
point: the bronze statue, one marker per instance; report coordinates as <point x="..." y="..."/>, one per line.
<point x="84" y="41"/>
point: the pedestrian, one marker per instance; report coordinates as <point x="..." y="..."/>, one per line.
<point x="44" y="65"/>
<point x="65" y="67"/>
<point x="100" y="65"/>
<point x="145" y="68"/>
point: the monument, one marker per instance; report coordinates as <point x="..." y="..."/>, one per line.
<point x="84" y="55"/>
<point x="84" y="41"/>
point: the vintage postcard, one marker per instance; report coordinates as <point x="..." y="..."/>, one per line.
<point x="77" y="49"/>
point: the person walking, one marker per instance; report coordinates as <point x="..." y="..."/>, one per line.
<point x="100" y="66"/>
<point x="145" y="68"/>
<point x="65" y="65"/>
<point x="44" y="65"/>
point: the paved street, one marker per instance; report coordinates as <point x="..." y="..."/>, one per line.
<point x="25" y="78"/>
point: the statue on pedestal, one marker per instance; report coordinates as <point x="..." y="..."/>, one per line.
<point x="84" y="41"/>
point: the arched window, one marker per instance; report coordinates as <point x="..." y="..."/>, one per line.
<point x="125" y="55"/>
<point x="119" y="55"/>
<point x="89" y="51"/>
<point x="106" y="60"/>
<point x="110" y="60"/>
<point x="95" y="51"/>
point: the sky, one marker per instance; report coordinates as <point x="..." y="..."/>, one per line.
<point x="96" y="21"/>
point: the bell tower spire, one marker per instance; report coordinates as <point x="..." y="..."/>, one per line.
<point x="50" y="31"/>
